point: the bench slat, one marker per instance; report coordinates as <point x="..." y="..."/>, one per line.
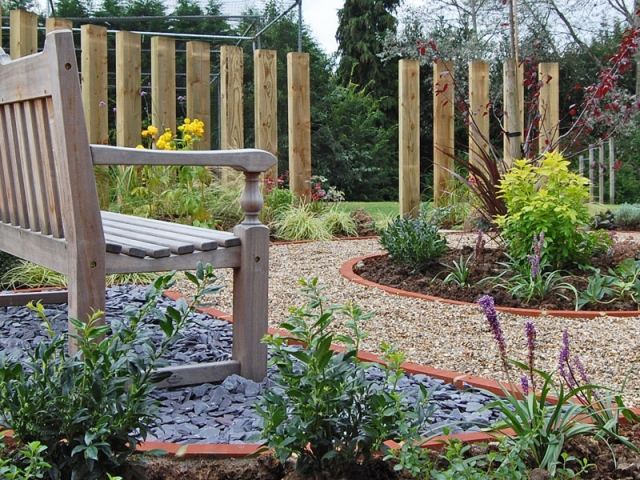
<point x="177" y="248"/>
<point x="136" y="248"/>
<point x="224" y="239"/>
<point x="204" y="245"/>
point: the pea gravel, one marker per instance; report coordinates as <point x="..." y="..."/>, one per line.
<point x="440" y="335"/>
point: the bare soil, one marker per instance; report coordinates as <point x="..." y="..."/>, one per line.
<point x="431" y="282"/>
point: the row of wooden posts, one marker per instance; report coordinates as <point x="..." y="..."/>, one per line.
<point x="479" y="115"/>
<point x="94" y="73"/>
<point x="128" y="103"/>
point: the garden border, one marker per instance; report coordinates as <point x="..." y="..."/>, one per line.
<point x="458" y="379"/>
<point x="346" y="270"/>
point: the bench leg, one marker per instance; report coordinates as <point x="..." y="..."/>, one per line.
<point x="251" y="302"/>
<point x="87" y="293"/>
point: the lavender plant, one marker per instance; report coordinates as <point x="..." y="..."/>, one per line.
<point x="605" y="406"/>
<point x="531" y="280"/>
<point x="541" y="428"/>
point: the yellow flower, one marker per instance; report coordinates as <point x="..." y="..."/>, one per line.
<point x="187" y="121"/>
<point x="161" y="143"/>
<point x="152" y="130"/>
<point x="187" y="138"/>
<point x="145" y="133"/>
<point x="140" y="147"/>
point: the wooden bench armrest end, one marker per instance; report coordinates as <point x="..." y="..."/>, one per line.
<point x="244" y="160"/>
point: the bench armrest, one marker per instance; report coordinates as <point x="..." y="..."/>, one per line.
<point x="244" y="160"/>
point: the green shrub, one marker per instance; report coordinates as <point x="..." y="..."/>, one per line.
<point x="322" y="407"/>
<point x="93" y="408"/>
<point x="627" y="216"/>
<point x="413" y="242"/>
<point x="547" y="197"/>
<point x="27" y="465"/>
<point x="276" y="202"/>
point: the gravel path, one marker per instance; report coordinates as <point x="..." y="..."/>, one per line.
<point x="446" y="336"/>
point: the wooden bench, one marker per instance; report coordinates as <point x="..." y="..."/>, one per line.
<point x="49" y="211"/>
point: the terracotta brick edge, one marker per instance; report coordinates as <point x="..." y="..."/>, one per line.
<point x="346" y="270"/>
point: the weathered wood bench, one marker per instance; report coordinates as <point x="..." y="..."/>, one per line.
<point x="49" y="211"/>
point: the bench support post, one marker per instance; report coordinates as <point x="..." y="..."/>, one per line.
<point x="251" y="302"/>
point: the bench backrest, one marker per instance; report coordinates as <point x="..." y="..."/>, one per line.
<point x="47" y="184"/>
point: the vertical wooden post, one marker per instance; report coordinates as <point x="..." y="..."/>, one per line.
<point x="298" y="85"/>
<point x="198" y="90"/>
<point x="512" y="122"/>
<point x="232" y="97"/>
<point x="58" y="24"/>
<point x="409" y="137"/>
<point x="231" y="102"/>
<point x="95" y="82"/>
<point x="601" y="173"/>
<point x="592" y="167"/>
<point x="266" y="104"/>
<point x="612" y="172"/>
<point x="128" y="80"/>
<point x="23" y="33"/>
<point x="1" y="34"/>
<point x="478" y="112"/>
<point x="549" y="106"/>
<point x="163" y="83"/>
<point x="443" y="134"/>
<point x="95" y="95"/>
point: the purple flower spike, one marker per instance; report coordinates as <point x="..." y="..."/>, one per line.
<point x="531" y="349"/>
<point x="563" y="361"/>
<point x="142" y="93"/>
<point x="580" y="367"/>
<point x="524" y="382"/>
<point x="488" y="305"/>
<point x="534" y="260"/>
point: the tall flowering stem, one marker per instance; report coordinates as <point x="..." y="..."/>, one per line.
<point x="488" y="305"/>
<point x="537" y="247"/>
<point x="531" y="351"/>
<point x="574" y="374"/>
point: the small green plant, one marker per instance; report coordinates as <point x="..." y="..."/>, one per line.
<point x="339" y="222"/>
<point x="413" y="242"/>
<point x="547" y="197"/>
<point x="622" y="283"/>
<point x="93" y="408"/>
<point x="27" y="464"/>
<point x="459" y="272"/>
<point x="322" y="407"/>
<point x="299" y="222"/>
<point x="627" y="216"/>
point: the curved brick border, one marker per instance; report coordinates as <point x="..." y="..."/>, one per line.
<point x="346" y="270"/>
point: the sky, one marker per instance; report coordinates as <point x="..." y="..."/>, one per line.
<point x="321" y="16"/>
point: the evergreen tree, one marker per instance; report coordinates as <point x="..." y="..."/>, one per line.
<point x="362" y="25"/>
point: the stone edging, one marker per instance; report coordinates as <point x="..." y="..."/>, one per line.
<point x="346" y="270"/>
